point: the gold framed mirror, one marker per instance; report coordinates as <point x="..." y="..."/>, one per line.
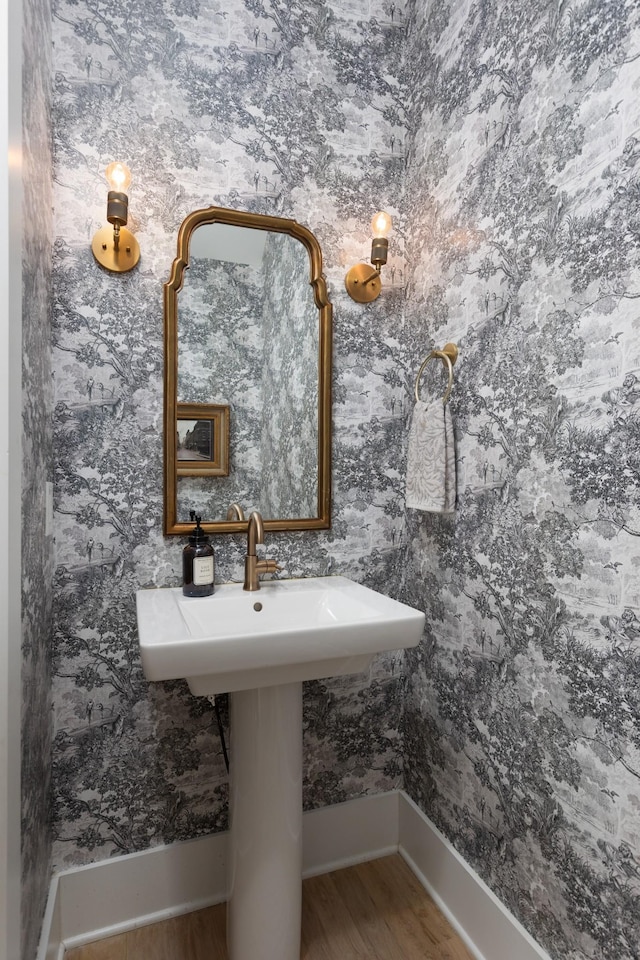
<point x="247" y="331"/>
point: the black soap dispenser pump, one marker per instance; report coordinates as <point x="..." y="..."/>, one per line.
<point x="197" y="563"/>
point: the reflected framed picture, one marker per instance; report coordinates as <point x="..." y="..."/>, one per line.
<point x="202" y="440"/>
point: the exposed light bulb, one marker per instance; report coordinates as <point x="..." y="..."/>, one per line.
<point x="381" y="224"/>
<point x="114" y="247"/>
<point x="118" y="176"/>
<point x="363" y="281"/>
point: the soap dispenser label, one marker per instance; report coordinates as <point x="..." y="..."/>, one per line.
<point x="202" y="571"/>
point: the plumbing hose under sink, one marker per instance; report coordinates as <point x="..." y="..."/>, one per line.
<point x="212" y="700"/>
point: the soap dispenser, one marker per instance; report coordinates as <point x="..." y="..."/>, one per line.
<point x="197" y="563"/>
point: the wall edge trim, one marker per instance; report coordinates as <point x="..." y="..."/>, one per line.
<point x="483" y="922"/>
<point x="112" y="896"/>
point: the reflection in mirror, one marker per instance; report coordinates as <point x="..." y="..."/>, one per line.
<point x="248" y="337"/>
<point x="202" y="440"/>
<point x="253" y="333"/>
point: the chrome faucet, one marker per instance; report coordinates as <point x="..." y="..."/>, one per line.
<point x="252" y="566"/>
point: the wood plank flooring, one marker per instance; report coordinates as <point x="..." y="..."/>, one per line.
<point x="373" y="911"/>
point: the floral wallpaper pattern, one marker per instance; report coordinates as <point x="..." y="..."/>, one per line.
<point x="522" y="714"/>
<point x="37" y="546"/>
<point x="285" y="108"/>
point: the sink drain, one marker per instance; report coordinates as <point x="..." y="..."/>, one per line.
<point x="257" y="606"/>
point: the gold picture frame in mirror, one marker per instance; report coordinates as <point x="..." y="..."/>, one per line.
<point x="202" y="440"/>
<point x="247" y="343"/>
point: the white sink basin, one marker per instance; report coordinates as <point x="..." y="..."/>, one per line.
<point x="304" y="630"/>
<point x="260" y="646"/>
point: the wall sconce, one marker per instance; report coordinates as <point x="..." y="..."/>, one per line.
<point x="363" y="281"/>
<point x="116" y="249"/>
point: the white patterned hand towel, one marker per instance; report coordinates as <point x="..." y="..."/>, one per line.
<point x="431" y="459"/>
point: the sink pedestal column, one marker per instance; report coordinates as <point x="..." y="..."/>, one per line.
<point x="264" y="909"/>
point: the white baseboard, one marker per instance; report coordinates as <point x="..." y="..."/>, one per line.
<point x="112" y="896"/>
<point x="347" y="833"/>
<point x="51" y="945"/>
<point x="483" y="922"/>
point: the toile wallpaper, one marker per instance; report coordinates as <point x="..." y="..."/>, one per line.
<point x="204" y="100"/>
<point x="514" y="132"/>
<point x="219" y="348"/>
<point x="522" y="709"/>
<point x="37" y="547"/>
<point x="289" y="434"/>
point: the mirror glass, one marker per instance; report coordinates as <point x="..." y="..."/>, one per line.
<point x="250" y="340"/>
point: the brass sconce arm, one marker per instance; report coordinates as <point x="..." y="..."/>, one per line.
<point x="363" y="283"/>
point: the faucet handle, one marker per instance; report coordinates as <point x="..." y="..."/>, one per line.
<point x="269" y="565"/>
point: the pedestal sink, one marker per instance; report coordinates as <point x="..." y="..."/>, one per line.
<point x="260" y="647"/>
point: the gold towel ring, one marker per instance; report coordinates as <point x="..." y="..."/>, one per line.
<point x="448" y="355"/>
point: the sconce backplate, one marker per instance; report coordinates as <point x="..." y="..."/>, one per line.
<point x="363" y="283"/>
<point x="119" y="260"/>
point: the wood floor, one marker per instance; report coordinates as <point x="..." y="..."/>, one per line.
<point x="374" y="911"/>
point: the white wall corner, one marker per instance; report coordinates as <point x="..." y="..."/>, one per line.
<point x="10" y="471"/>
<point x="51" y="945"/>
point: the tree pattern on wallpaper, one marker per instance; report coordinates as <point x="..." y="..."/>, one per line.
<point x="523" y="712"/>
<point x="289" y="435"/>
<point x="271" y="107"/>
<point x="220" y="349"/>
